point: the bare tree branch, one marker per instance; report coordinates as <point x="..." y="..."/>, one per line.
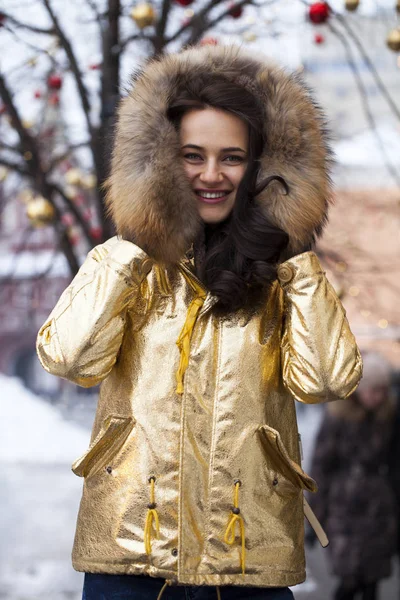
<point x="28" y="143"/>
<point x="98" y="16"/>
<point x="371" y="66"/>
<point x="75" y="211"/>
<point x="18" y="168"/>
<point x="28" y="26"/>
<point x="32" y="47"/>
<point x="364" y="100"/>
<point x="61" y="157"/>
<point x="65" y="43"/>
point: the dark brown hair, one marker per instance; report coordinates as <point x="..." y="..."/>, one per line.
<point x="237" y="258"/>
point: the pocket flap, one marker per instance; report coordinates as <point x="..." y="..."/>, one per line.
<point x="105" y="446"/>
<point x="281" y="460"/>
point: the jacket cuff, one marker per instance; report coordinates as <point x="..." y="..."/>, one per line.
<point x="299" y="267"/>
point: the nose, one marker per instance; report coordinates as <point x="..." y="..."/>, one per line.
<point x="211" y="173"/>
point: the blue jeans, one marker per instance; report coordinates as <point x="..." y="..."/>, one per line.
<point x="98" y="586"/>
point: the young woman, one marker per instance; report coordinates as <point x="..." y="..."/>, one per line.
<point x="356" y="502"/>
<point x="204" y="318"/>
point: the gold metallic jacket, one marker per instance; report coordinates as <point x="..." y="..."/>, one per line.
<point x="193" y="472"/>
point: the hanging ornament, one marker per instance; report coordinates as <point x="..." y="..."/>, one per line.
<point x="319" y="39"/>
<point x="67" y="219"/>
<point x="89" y="181"/>
<point x="96" y="233"/>
<point x="73" y="235"/>
<point x="184" y="2"/>
<point x="189" y="13"/>
<point x="27" y="123"/>
<point x="393" y="40"/>
<point x="3" y="174"/>
<point x="54" y="82"/>
<point x="73" y="176"/>
<point x="2" y="19"/>
<point x="143" y="15"/>
<point x="319" y="12"/>
<point x="352" y="5"/>
<point x="37" y="94"/>
<point x="209" y="41"/>
<point x="236" y="11"/>
<point x="87" y="214"/>
<point x="40" y="211"/>
<point x="94" y="66"/>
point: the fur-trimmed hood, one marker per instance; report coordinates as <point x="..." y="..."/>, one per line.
<point x="149" y="195"/>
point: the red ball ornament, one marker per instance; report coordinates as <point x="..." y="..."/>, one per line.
<point x="96" y="233"/>
<point x="2" y="19"/>
<point x="209" y="41"/>
<point x="94" y="67"/>
<point x="54" y="82"/>
<point x="319" y="39"/>
<point x="236" y="11"/>
<point x="67" y="219"/>
<point x="184" y="2"/>
<point x="319" y="12"/>
<point x="38" y="94"/>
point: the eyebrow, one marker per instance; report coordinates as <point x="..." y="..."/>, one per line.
<point x="230" y="149"/>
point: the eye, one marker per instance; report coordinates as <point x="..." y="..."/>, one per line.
<point x="235" y="158"/>
<point x="232" y="157"/>
<point x="191" y="155"/>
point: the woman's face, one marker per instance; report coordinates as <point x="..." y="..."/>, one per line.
<point x="214" y="147"/>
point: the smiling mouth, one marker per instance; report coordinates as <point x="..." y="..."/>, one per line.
<point x="212" y="197"/>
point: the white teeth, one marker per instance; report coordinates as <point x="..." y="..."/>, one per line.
<point x="211" y="195"/>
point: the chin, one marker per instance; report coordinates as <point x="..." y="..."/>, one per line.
<point x="212" y="217"/>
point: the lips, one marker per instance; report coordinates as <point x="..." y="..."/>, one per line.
<point x="212" y="200"/>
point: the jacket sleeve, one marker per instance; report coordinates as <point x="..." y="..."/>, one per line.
<point x="82" y="336"/>
<point x="320" y="358"/>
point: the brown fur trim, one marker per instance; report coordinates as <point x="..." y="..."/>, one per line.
<point x="149" y="195"/>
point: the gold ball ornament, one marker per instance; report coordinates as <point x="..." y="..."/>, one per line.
<point x="73" y="176"/>
<point x="393" y="40"/>
<point x="89" y="181"/>
<point x="144" y="15"/>
<point x="40" y="211"/>
<point x="352" y="5"/>
<point x="3" y="174"/>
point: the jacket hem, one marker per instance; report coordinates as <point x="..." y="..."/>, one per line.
<point x="267" y="578"/>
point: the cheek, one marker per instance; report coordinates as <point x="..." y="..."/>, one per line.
<point x="190" y="170"/>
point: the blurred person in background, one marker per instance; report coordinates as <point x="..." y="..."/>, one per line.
<point x="356" y="499"/>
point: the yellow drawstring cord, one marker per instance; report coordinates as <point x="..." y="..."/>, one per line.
<point x="151" y="514"/>
<point x="229" y="536"/>
<point x="185" y="336"/>
<point x="218" y="592"/>
<point x="167" y="582"/>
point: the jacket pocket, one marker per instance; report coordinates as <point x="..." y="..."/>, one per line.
<point x="281" y="465"/>
<point x="105" y="446"/>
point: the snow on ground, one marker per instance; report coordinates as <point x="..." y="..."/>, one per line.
<point x="32" y="431"/>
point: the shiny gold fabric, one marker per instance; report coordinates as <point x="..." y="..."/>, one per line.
<point x="118" y="322"/>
